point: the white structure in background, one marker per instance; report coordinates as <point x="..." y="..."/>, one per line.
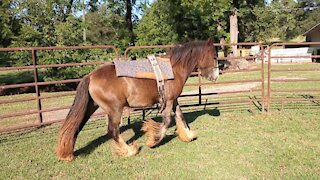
<point x="285" y="55"/>
<point x="313" y="35"/>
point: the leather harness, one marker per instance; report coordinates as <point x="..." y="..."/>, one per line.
<point x="160" y="80"/>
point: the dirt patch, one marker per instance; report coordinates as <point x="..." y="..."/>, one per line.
<point x="60" y="114"/>
<point x="288" y="78"/>
<point x="228" y="88"/>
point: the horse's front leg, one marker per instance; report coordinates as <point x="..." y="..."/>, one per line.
<point x="183" y="131"/>
<point x="156" y="131"/>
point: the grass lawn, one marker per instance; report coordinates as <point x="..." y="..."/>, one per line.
<point x="232" y="142"/>
<point x="230" y="145"/>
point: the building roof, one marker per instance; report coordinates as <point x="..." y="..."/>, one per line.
<point x="314" y="27"/>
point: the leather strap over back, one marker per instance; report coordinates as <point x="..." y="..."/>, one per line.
<point x="160" y="80"/>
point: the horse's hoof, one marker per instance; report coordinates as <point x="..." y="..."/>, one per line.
<point x="152" y="142"/>
<point x="133" y="149"/>
<point x="127" y="151"/>
<point x="153" y="132"/>
<point x="64" y="155"/>
<point x="186" y="135"/>
<point x="67" y="158"/>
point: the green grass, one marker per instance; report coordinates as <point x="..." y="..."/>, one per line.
<point x="232" y="142"/>
<point x="230" y="145"/>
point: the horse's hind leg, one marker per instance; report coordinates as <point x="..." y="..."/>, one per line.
<point x="122" y="148"/>
<point x="183" y="131"/>
<point x="82" y="108"/>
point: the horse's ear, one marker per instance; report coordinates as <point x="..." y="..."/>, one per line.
<point x="210" y="40"/>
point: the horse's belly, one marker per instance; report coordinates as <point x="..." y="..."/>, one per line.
<point x="141" y="101"/>
<point x="141" y="92"/>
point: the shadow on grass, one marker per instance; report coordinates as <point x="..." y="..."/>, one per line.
<point x="136" y="127"/>
<point x="190" y="117"/>
<point x="91" y="146"/>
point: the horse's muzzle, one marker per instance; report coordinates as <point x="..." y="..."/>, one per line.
<point x="212" y="74"/>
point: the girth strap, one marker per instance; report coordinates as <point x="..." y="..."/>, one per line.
<point x="160" y="80"/>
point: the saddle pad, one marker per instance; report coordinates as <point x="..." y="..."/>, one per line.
<point x="143" y="69"/>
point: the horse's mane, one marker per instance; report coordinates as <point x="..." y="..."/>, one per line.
<point x="188" y="53"/>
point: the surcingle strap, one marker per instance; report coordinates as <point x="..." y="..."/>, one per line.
<point x="160" y="80"/>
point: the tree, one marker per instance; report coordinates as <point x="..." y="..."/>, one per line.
<point x="251" y="20"/>
<point x="154" y="27"/>
<point x="129" y="20"/>
<point x="9" y="24"/>
<point x="307" y="15"/>
<point x="200" y="19"/>
<point x="183" y="20"/>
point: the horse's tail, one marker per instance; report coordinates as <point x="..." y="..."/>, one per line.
<point x="80" y="111"/>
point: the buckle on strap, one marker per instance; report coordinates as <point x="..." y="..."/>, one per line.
<point x="160" y="80"/>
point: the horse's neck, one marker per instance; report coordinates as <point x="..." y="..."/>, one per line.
<point x="182" y="71"/>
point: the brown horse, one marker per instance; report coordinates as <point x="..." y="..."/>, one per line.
<point x="102" y="88"/>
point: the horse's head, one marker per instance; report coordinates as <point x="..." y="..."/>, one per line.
<point x="208" y="65"/>
<point x="196" y="55"/>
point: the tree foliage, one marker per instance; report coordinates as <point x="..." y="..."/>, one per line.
<point x="59" y="22"/>
<point x="9" y="24"/>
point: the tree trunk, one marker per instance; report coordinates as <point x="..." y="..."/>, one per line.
<point x="84" y="22"/>
<point x="236" y="63"/>
<point x="234" y="31"/>
<point x="129" y="20"/>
